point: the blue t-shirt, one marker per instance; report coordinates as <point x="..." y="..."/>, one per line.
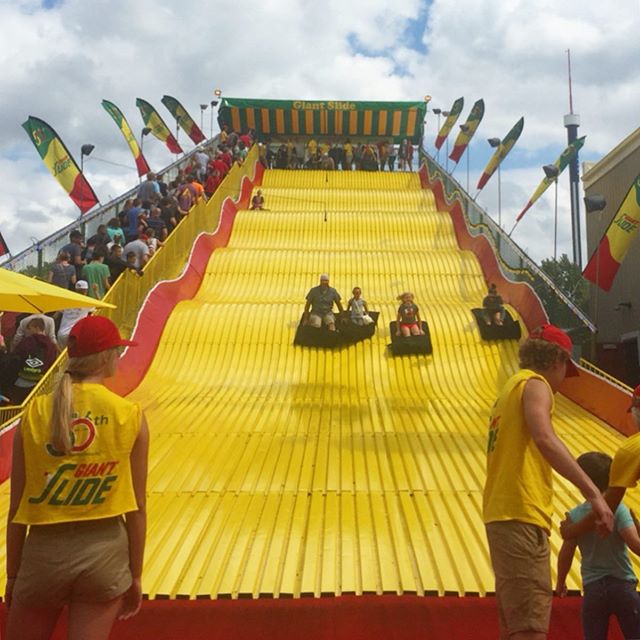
<point x="604" y="556"/>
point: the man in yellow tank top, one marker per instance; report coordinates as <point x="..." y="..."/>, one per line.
<point x="522" y="450"/>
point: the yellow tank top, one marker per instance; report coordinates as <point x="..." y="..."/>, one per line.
<point x="94" y="480"/>
<point x="519" y="482"/>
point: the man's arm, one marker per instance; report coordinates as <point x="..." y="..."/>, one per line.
<point x="569" y="530"/>
<point x="536" y="403"/>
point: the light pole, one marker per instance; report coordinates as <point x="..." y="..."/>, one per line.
<point x="214" y="103"/>
<point x="596" y="204"/>
<point x="427" y="100"/>
<point x="203" y="108"/>
<point x="145" y="132"/>
<point x="437" y="112"/>
<point x="552" y="172"/>
<point x="178" y="118"/>
<point x="495" y="143"/>
<point x="85" y="150"/>
<point x="465" y="129"/>
<point x="446" y="114"/>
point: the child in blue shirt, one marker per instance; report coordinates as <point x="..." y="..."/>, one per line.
<point x="608" y="581"/>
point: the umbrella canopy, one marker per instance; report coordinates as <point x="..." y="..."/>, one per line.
<point x="22" y="294"/>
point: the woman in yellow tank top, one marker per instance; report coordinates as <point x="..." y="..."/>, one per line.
<point x="78" y="485"/>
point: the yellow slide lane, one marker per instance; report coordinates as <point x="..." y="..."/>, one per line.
<point x="279" y="470"/>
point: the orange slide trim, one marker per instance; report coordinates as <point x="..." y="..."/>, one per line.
<point x="598" y="396"/>
<point x="347" y="617"/>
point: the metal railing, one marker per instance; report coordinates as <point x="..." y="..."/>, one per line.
<point x="512" y="259"/>
<point x="131" y="289"/>
<point x="34" y="259"/>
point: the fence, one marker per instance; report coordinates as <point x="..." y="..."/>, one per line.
<point x="512" y="259"/>
<point x="130" y="289"/>
<point x="34" y="259"/>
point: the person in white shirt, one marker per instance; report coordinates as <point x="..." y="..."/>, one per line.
<point x="70" y="316"/>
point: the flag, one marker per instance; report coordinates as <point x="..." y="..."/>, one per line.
<point x="60" y="163"/>
<point x="561" y="164"/>
<point x="123" y="125"/>
<point x="607" y="258"/>
<point x="464" y="137"/>
<point x="4" y="247"/>
<point x="501" y="152"/>
<point x="454" y="113"/>
<point x="157" y="125"/>
<point x="184" y="119"/>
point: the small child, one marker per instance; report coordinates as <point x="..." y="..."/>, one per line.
<point x="608" y="581"/>
<point x="132" y="260"/>
<point x="408" y="319"/>
<point x="358" y="307"/>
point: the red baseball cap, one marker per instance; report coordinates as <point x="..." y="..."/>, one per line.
<point x="551" y="333"/>
<point x="635" y="399"/>
<point x="94" y="334"/>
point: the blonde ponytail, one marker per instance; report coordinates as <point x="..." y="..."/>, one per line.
<point x="77" y="370"/>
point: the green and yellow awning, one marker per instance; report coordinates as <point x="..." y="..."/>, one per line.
<point x="325" y="118"/>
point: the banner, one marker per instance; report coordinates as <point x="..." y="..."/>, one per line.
<point x="157" y="125"/>
<point x="452" y="118"/>
<point x="501" y="152"/>
<point x="464" y="137"/>
<point x="123" y="125"/>
<point x="60" y="163"/>
<point x="4" y="247"/>
<point x="184" y="119"/>
<point x="607" y="258"/>
<point x="561" y="164"/>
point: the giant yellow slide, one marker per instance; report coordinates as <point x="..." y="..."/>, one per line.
<point x="279" y="470"/>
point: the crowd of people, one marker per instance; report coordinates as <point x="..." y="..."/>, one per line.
<point x="325" y="155"/>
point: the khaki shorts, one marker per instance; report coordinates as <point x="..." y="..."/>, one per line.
<point x="74" y="562"/>
<point x="317" y="321"/>
<point x="520" y="559"/>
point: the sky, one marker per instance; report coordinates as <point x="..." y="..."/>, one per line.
<point x="61" y="58"/>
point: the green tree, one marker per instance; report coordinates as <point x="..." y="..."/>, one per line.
<point x="567" y="276"/>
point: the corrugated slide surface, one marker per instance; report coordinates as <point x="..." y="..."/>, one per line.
<point x="279" y="470"/>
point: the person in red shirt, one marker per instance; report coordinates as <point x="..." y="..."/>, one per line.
<point x="212" y="183"/>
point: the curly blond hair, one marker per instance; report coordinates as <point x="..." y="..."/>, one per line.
<point x="540" y="355"/>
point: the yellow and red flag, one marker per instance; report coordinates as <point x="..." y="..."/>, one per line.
<point x="4" y="247"/>
<point x="157" y="125"/>
<point x="470" y="126"/>
<point x="452" y="118"/>
<point x="607" y="258"/>
<point x="501" y="152"/>
<point x="60" y="163"/>
<point x="561" y="164"/>
<point x="184" y="119"/>
<point x="123" y="125"/>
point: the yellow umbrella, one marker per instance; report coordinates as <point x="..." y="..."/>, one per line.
<point x="22" y="294"/>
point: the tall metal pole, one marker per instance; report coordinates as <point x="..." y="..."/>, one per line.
<point x="555" y="225"/>
<point x="499" y="198"/>
<point x="571" y="123"/>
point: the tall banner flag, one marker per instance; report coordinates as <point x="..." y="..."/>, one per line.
<point x="123" y="125"/>
<point x="561" y="164"/>
<point x="607" y="258"/>
<point x="452" y="118"/>
<point x="157" y="125"/>
<point x="501" y="152"/>
<point x="184" y="119"/>
<point x="4" y="247"/>
<point x="464" y="137"/>
<point x="60" y="163"/>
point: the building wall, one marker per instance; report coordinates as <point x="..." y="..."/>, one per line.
<point x="618" y="338"/>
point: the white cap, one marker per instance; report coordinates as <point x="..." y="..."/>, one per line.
<point x="82" y="284"/>
<point x="324" y="276"/>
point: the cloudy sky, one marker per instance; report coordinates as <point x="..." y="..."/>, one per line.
<point x="60" y="58"/>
